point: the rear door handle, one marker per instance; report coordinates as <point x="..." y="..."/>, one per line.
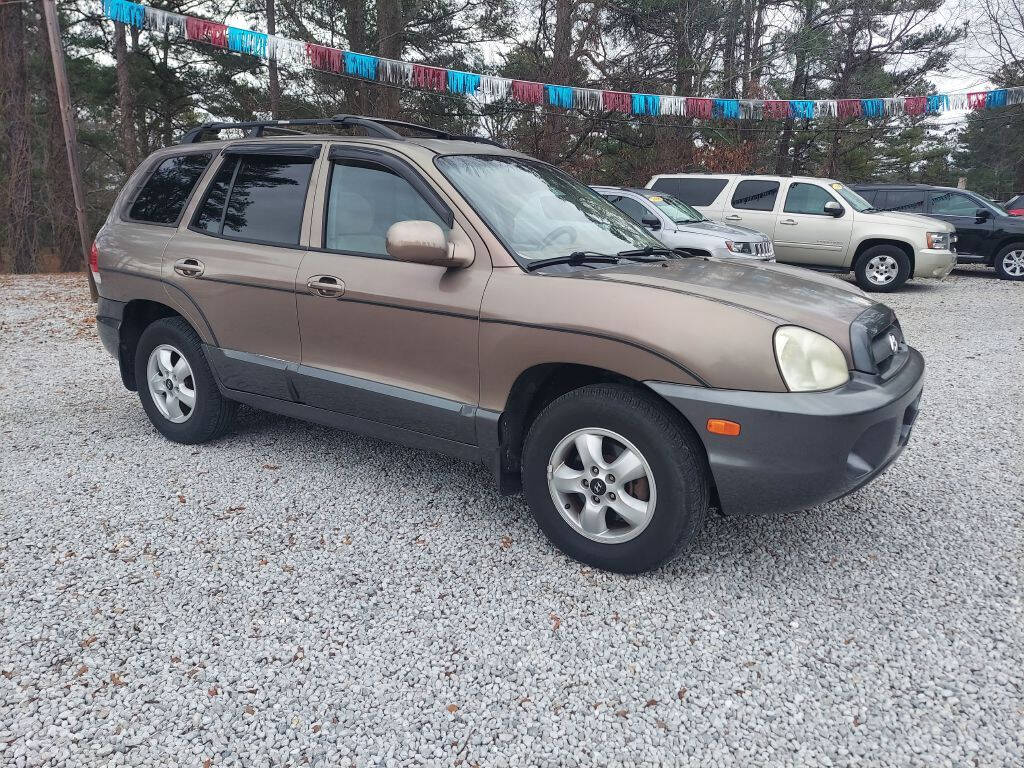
<point x="189" y="267"/>
<point x="790" y="222"/>
<point x="733" y="217"/>
<point x="327" y="286"/>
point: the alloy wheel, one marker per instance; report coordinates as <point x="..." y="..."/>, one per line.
<point x="882" y="269"/>
<point x="171" y="383"/>
<point x="1013" y="263"/>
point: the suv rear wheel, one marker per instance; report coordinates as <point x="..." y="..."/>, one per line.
<point x="176" y="386"/>
<point x="882" y="268"/>
<point x="613" y="479"/>
<point x="1009" y="262"/>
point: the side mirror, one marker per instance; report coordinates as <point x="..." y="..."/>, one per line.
<point x="651" y="223"/>
<point x="422" y="242"/>
<point x="981" y="214"/>
<point x="832" y="208"/>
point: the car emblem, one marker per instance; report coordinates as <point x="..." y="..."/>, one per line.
<point x="894" y="345"/>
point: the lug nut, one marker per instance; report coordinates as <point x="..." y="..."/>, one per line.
<point x="611" y="478"/>
<point x="594" y="470"/>
<point x="585" y="482"/>
<point x="611" y="496"/>
<point x="595" y="499"/>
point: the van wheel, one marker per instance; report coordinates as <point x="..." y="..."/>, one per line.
<point x="1009" y="262"/>
<point x="176" y="386"/>
<point x="614" y="479"/>
<point x="882" y="268"/>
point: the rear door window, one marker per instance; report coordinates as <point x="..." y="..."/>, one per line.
<point x="807" y="198"/>
<point x="901" y="200"/>
<point x="693" y="190"/>
<point x="257" y="198"/>
<point x="755" y="195"/>
<point x="636" y="211"/>
<point x="164" y="195"/>
<point x="364" y="200"/>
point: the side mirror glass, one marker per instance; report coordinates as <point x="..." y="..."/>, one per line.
<point x="421" y="242"/>
<point x="832" y="208"/>
<point x="651" y="223"/>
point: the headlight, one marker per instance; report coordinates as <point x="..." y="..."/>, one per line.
<point x="939" y="241"/>
<point x="809" y="361"/>
<point x="739" y="247"/>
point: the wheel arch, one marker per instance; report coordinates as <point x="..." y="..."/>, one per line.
<point x="138" y="315"/>
<point x="871" y="242"/>
<point x="1006" y="242"/>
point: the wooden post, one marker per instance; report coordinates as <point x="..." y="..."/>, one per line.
<point x="67" y="118"/>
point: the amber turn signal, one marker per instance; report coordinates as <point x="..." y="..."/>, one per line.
<point x="723" y="427"/>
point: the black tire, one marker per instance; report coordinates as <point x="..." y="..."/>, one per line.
<point x="860" y="269"/>
<point x="212" y="414"/>
<point x="671" y="449"/>
<point x="1005" y="268"/>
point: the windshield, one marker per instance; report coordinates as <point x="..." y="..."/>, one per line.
<point x="678" y="211"/>
<point x="539" y="212"/>
<point x="856" y="202"/>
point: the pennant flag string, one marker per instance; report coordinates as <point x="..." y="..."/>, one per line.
<point x="491" y="88"/>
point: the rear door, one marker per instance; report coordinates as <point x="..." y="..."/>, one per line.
<point x="901" y="200"/>
<point x="236" y="259"/>
<point x="961" y="211"/>
<point x="752" y="203"/>
<point x="701" y="192"/>
<point x="805" y="234"/>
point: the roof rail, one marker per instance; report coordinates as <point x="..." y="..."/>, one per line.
<point x="378" y="127"/>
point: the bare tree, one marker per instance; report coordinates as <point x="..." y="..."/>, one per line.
<point x="20" y="230"/>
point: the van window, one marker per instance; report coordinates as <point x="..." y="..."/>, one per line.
<point x="258" y="198"/>
<point x="807" y="198"/>
<point x="902" y="200"/>
<point x="755" y="195"/>
<point x="636" y="211"/>
<point x="365" y="199"/>
<point x="693" y="190"/>
<point x="162" y="198"/>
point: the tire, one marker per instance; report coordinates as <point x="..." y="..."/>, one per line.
<point x="1009" y="262"/>
<point x="209" y="415"/>
<point x="630" y="419"/>
<point x="879" y="262"/>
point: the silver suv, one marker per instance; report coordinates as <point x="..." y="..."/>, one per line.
<point x="678" y="225"/>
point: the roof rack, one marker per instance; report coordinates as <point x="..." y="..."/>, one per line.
<point x="378" y="127"/>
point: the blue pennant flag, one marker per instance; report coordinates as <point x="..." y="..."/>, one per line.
<point x="561" y="96"/>
<point x="361" y="65"/>
<point x="995" y="99"/>
<point x="463" y="82"/>
<point x="132" y="14"/>
<point x="801" y="108"/>
<point x="727" y="108"/>
<point x="247" y="41"/>
<point x="937" y="102"/>
<point x="872" y="107"/>
<point x="646" y="104"/>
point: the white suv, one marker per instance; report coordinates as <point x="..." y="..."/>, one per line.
<point x="822" y="223"/>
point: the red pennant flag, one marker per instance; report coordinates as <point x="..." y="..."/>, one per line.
<point x="322" y="57"/>
<point x="698" y="107"/>
<point x="527" y="92"/>
<point x="206" y="32"/>
<point x="429" y="78"/>
<point x="915" y="105"/>
<point x="776" y="109"/>
<point x="617" y="101"/>
<point x="976" y="100"/>
<point x="849" y="108"/>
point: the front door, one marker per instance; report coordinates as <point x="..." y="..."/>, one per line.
<point x="236" y="255"/>
<point x="806" y="234"/>
<point x="393" y="342"/>
<point x="960" y="210"/>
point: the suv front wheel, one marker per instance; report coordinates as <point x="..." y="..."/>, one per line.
<point x="1009" y="262"/>
<point x="882" y="268"/>
<point x="176" y="386"/>
<point x="614" y="479"/>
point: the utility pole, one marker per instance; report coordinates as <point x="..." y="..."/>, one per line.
<point x="67" y="119"/>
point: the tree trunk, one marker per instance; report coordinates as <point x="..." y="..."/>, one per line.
<point x="390" y="44"/>
<point x="125" y="100"/>
<point x="59" y="195"/>
<point x="274" y="85"/>
<point x="355" y="33"/>
<point x="783" y="162"/>
<point x="20" y="240"/>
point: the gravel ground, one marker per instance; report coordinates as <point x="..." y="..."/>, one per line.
<point x="293" y="595"/>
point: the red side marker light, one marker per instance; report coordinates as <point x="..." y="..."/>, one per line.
<point x="723" y="427"/>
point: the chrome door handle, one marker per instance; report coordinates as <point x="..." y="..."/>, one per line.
<point x="790" y="222"/>
<point x="327" y="286"/>
<point x="733" y="217"/>
<point x="189" y="267"/>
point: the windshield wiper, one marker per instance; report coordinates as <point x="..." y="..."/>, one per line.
<point x="575" y="259"/>
<point x="644" y="254"/>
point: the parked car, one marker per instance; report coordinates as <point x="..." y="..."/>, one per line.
<point x="986" y="233"/>
<point x="678" y="225"/>
<point x="450" y="294"/>
<point x="1015" y="205"/>
<point x="821" y="223"/>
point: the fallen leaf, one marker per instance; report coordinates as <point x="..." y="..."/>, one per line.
<point x="661" y="724"/>
<point x="506" y="542"/>
<point x="316" y="728"/>
<point x="81" y="671"/>
<point x="453" y="708"/>
<point x="213" y="691"/>
<point x="622" y="713"/>
<point x="856" y="721"/>
<point x="181" y="498"/>
<point x="116" y="679"/>
<point x="682" y="694"/>
<point x="88" y="641"/>
<point x="239" y="508"/>
<point x="176" y="659"/>
<point x="652" y="703"/>
<point x="249" y="709"/>
<point x="271" y="466"/>
<point x="556" y="622"/>
<point x="208" y="762"/>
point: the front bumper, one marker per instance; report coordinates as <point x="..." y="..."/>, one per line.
<point x="933" y="264"/>
<point x="799" y="449"/>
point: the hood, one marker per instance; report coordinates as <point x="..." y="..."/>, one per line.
<point x="708" y="227"/>
<point x="916" y="220"/>
<point x="786" y="295"/>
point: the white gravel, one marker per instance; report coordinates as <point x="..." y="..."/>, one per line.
<point x="293" y="595"/>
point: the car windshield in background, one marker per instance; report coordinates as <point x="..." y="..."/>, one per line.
<point x="857" y="202"/>
<point x="540" y="212"/>
<point x="676" y="210"/>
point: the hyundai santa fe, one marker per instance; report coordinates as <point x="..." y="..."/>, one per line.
<point x="452" y="295"/>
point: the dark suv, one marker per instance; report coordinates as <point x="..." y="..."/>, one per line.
<point x="986" y="234"/>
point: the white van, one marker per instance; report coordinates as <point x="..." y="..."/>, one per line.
<point x="822" y="223"/>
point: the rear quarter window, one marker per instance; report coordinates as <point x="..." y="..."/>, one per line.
<point x="692" y="189"/>
<point x="164" y="195"/>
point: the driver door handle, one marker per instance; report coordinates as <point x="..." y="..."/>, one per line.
<point x="327" y="286"/>
<point x="789" y="222"/>
<point x="733" y="217"/>
<point x="189" y="267"/>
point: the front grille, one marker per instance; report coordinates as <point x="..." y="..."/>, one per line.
<point x="764" y="250"/>
<point x="872" y="337"/>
